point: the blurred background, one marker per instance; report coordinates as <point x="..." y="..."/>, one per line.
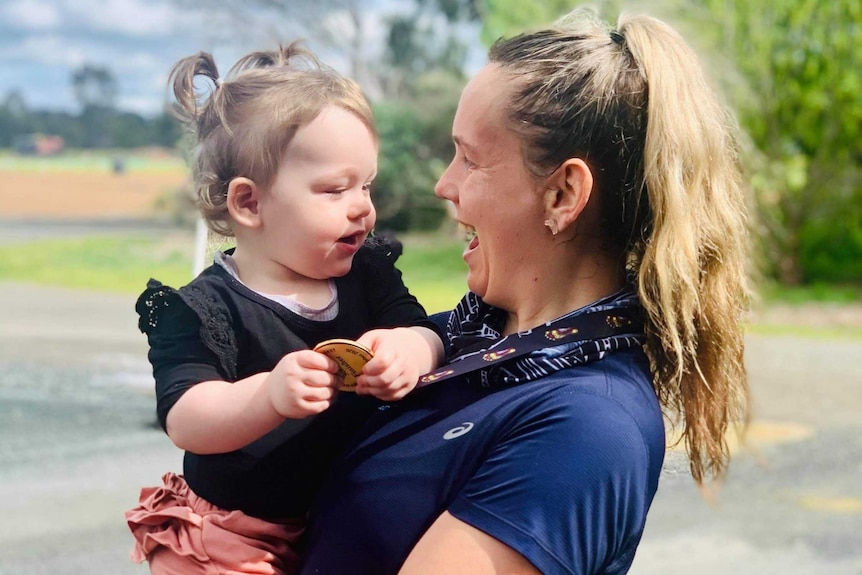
<point x="94" y="200"/>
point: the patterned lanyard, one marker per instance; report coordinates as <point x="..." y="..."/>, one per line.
<point x="588" y="326"/>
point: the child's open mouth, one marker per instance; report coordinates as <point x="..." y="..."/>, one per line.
<point x="353" y="239"/>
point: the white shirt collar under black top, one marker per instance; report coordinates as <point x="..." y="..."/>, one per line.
<point x="326" y="313"/>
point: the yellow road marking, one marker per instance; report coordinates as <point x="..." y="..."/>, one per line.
<point x="832" y="504"/>
<point x="758" y="435"/>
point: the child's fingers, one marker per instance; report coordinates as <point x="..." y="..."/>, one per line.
<point x="318" y="394"/>
<point x="379" y="364"/>
<point x="380" y="378"/>
<point x="307" y="407"/>
<point x="393" y="392"/>
<point x="311" y="359"/>
<point x="391" y="382"/>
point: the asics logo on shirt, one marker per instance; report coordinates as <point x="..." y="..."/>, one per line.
<point x="462" y="429"/>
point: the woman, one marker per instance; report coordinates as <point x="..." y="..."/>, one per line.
<point x="598" y="173"/>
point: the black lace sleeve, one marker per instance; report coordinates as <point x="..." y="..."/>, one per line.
<point x="184" y="349"/>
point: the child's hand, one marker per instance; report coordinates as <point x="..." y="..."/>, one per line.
<point x="401" y="355"/>
<point x="303" y="383"/>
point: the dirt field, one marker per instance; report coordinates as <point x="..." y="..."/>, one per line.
<point x="85" y="195"/>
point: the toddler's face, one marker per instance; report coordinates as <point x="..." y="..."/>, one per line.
<point x="319" y="211"/>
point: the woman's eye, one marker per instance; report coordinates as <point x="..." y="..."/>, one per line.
<point x="470" y="164"/>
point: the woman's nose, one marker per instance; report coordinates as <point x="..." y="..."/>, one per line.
<point x="445" y="189"/>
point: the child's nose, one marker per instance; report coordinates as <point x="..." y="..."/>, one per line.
<point x="361" y="207"/>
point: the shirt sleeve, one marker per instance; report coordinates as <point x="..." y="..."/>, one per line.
<point x="566" y="486"/>
<point x="178" y="354"/>
<point x="390" y="302"/>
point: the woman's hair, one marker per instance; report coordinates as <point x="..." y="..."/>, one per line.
<point x="245" y="122"/>
<point x="634" y="104"/>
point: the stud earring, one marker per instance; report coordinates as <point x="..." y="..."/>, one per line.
<point x="552" y="225"/>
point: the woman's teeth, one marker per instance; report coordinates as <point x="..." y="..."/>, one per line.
<point x="469" y="232"/>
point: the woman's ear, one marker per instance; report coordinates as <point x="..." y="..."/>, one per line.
<point x="243" y="202"/>
<point x="569" y="189"/>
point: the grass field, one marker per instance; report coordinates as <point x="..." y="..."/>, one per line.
<point x="149" y="161"/>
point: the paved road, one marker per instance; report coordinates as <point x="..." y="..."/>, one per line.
<point x="77" y="441"/>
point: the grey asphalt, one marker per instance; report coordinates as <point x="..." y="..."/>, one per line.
<point x="77" y="442"/>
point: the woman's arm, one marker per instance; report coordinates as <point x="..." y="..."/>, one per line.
<point x="452" y="547"/>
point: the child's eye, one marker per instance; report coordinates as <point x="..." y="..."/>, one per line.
<point x="366" y="187"/>
<point x="335" y="191"/>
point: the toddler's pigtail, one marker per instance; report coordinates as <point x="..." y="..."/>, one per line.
<point x="192" y="106"/>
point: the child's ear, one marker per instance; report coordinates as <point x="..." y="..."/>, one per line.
<point x="243" y="202"/>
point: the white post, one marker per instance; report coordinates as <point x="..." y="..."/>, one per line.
<point x="201" y="243"/>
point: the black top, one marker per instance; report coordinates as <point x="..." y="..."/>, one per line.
<point x="215" y="328"/>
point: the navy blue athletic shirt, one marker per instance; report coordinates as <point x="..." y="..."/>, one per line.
<point x="562" y="469"/>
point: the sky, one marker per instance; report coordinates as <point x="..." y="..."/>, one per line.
<point x="43" y="41"/>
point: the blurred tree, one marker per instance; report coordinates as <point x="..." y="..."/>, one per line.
<point x="95" y="89"/>
<point x="415" y="147"/>
<point x="128" y="130"/>
<point x="94" y="86"/>
<point x="504" y="18"/>
<point x="800" y="102"/>
<point x="165" y="130"/>
<point x="420" y="41"/>
<point x="13" y="117"/>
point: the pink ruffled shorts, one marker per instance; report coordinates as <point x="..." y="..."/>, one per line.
<point x="179" y="533"/>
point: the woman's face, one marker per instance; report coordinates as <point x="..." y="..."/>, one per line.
<point x="493" y="194"/>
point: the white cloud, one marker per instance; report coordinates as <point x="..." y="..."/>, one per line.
<point x="131" y="17"/>
<point x="51" y="49"/>
<point x="31" y="14"/>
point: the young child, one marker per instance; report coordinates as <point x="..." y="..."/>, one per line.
<point x="286" y="155"/>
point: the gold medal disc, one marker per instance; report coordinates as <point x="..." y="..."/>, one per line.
<point x="350" y="356"/>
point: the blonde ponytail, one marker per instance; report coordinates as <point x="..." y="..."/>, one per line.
<point x="692" y="277"/>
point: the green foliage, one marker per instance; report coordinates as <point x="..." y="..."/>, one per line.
<point x="800" y="102"/>
<point x="415" y="147"/>
<point x="505" y="18"/>
<point x="831" y="247"/>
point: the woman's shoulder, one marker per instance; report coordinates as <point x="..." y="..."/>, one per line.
<point x="616" y="390"/>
